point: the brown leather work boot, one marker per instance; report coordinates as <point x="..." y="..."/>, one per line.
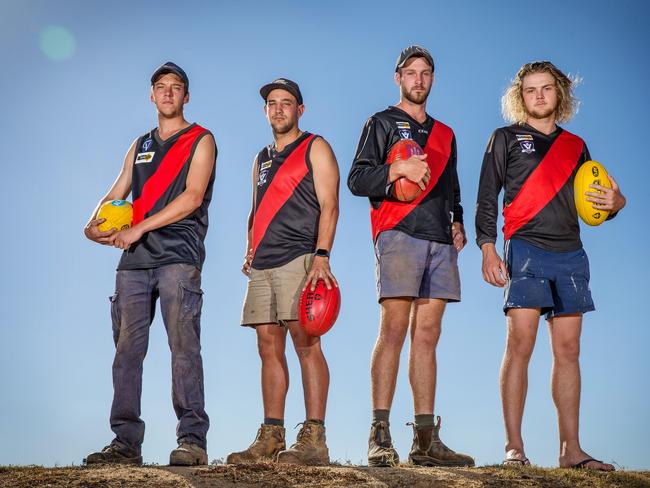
<point x="268" y="442"/>
<point x="310" y="448"/>
<point x="429" y="450"/>
<point x="381" y="452"/>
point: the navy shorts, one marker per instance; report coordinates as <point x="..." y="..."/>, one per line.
<point x="418" y="268"/>
<point x="555" y="282"/>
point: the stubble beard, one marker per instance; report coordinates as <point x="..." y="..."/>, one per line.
<point x="418" y="98"/>
<point x="543" y="113"/>
<point x="282" y="128"/>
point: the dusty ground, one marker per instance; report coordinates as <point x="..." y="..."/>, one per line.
<point x="280" y="476"/>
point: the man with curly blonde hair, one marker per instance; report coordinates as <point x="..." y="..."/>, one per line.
<point x="545" y="269"/>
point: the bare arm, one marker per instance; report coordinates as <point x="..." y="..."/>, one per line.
<point x="198" y="177"/>
<point x="248" y="255"/>
<point x="326" y="182"/>
<point x="119" y="191"/>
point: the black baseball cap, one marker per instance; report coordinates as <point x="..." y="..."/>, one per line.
<point x="283" y="84"/>
<point x="413" y="52"/>
<point x="170" y="67"/>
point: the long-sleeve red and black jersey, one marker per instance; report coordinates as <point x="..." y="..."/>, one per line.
<point x="545" y="213"/>
<point x="429" y="218"/>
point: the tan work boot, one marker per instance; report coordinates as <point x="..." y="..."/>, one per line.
<point x="310" y="448"/>
<point x="187" y="454"/>
<point x="429" y="450"/>
<point x="268" y="442"/>
<point x="381" y="452"/>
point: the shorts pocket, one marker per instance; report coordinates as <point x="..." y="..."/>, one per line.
<point x="191" y="302"/>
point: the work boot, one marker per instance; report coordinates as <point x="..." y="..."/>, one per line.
<point x="114" y="453"/>
<point x="309" y="449"/>
<point x="381" y="452"/>
<point x="268" y="443"/>
<point x="187" y="454"/>
<point x="429" y="450"/>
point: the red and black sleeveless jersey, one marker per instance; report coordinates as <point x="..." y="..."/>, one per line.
<point x="428" y="217"/>
<point x="159" y="173"/>
<point x="536" y="172"/>
<point x="286" y="214"/>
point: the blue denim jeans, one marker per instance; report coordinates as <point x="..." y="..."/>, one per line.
<point x="132" y="309"/>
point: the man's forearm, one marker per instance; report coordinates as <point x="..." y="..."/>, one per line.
<point x="182" y="206"/>
<point x="329" y="215"/>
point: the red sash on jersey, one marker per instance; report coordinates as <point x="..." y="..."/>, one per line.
<point x="168" y="169"/>
<point x="392" y="212"/>
<point x="284" y="182"/>
<point x="543" y="183"/>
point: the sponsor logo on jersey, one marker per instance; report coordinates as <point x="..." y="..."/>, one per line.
<point x="527" y="147"/>
<point x="144" y="157"/>
<point x="265" y="165"/>
<point x="423" y="131"/>
<point x="405" y="133"/>
<point x="524" y="137"/>
<point x="402" y="125"/>
<point x="147" y="144"/>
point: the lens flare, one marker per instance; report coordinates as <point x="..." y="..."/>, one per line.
<point x="57" y="43"/>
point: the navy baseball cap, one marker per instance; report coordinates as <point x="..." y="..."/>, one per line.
<point x="413" y="52"/>
<point x="170" y="67"/>
<point x="282" y="84"/>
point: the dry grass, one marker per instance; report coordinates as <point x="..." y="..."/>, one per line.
<point x="269" y="475"/>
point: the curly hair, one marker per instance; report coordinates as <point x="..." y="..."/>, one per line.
<point x="512" y="102"/>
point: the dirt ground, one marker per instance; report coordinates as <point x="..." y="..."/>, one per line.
<point x="280" y="476"/>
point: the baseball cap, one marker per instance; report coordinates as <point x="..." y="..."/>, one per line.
<point x="283" y="84"/>
<point x="170" y="67"/>
<point x="413" y="51"/>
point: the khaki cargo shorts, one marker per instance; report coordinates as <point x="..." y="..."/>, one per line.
<point x="272" y="295"/>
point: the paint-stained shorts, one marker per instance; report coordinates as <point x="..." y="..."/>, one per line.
<point x="272" y="295"/>
<point x="418" y="268"/>
<point x="555" y="282"/>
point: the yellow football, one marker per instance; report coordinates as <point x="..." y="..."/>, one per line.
<point x="118" y="215"/>
<point x="590" y="173"/>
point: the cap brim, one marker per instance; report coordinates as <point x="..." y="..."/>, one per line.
<point x="266" y="89"/>
<point x="166" y="71"/>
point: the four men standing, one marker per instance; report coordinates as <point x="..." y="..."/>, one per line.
<point x="291" y="230"/>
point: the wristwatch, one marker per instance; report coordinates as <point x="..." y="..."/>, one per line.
<point x="322" y="252"/>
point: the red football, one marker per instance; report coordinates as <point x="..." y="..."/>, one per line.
<point x="318" y="309"/>
<point x="404" y="189"/>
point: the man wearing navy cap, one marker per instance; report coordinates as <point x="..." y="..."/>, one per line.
<point x="169" y="172"/>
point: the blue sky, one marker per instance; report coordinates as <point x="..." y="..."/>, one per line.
<point x="75" y="85"/>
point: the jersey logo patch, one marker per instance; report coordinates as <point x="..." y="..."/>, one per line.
<point x="144" y="157"/>
<point x="402" y="125"/>
<point x="524" y="137"/>
<point x="147" y="144"/>
<point x="266" y="165"/>
<point x="262" y="178"/>
<point x="405" y="133"/>
<point x="527" y="147"/>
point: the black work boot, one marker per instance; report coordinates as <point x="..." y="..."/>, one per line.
<point x="114" y="453"/>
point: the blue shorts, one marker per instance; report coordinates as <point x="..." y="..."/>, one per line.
<point x="418" y="268"/>
<point x="555" y="282"/>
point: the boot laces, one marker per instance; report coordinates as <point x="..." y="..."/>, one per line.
<point x="302" y="439"/>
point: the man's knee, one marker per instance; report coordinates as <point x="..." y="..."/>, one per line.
<point x="520" y="345"/>
<point x="567" y="350"/>
<point x="269" y="346"/>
